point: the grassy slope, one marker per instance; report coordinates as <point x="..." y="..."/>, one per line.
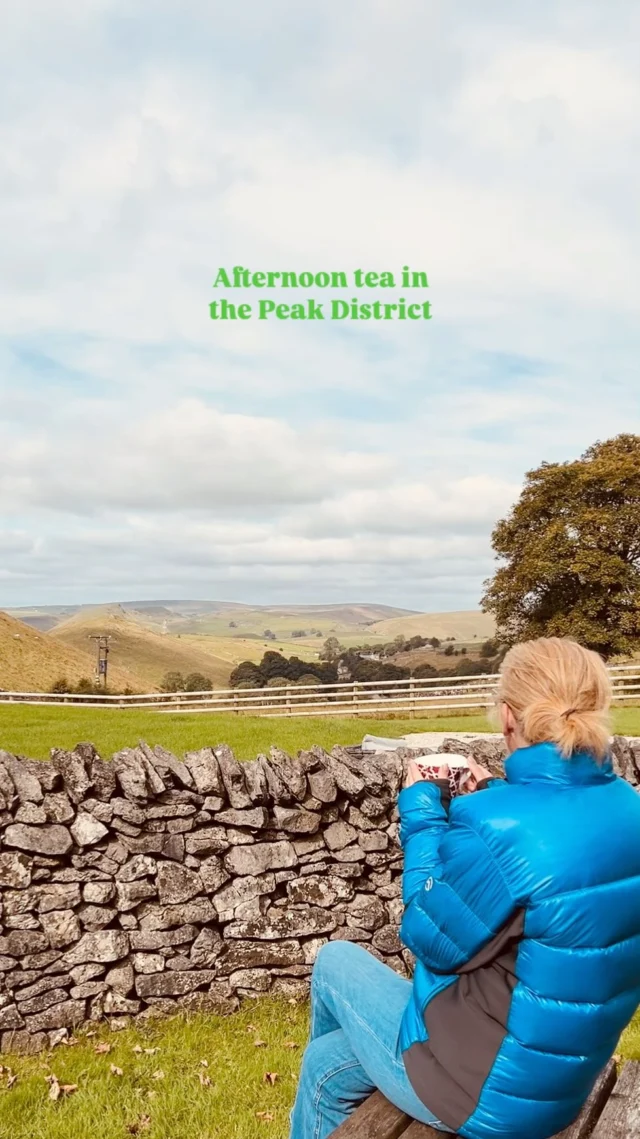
<point x="150" y="655"/>
<point x="176" y="1105"/>
<point x="462" y="626"/>
<point x="31" y="660"/>
<point x="34" y="730"/>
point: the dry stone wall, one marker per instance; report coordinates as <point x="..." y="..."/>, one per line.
<point x="147" y="884"/>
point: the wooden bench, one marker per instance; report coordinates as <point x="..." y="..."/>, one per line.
<point x="611" y="1112"/>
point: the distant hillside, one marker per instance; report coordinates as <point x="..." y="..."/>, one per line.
<point x="467" y="625"/>
<point x="30" y="661"/>
<point x="144" y="652"/>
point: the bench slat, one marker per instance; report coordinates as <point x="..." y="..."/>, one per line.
<point x="375" y="1119"/>
<point x="593" y="1108"/>
<point x="621" y="1116"/>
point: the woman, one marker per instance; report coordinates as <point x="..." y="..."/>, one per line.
<point x="522" y="907"/>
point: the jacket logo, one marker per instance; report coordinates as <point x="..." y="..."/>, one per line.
<point x="428" y="884"/>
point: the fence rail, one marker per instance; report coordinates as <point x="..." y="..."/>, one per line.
<point x="369" y="697"/>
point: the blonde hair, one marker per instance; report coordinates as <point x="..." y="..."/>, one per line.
<point x="559" y="692"/>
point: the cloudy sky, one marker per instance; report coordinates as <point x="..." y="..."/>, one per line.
<point x="147" y="451"/>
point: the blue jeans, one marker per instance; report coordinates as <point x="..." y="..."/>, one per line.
<point x="356" y="1009"/>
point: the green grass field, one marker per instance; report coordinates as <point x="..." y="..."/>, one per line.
<point x="33" y="730"/>
<point x="238" y="1103"/>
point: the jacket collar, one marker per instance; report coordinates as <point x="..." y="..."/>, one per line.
<point x="543" y="763"/>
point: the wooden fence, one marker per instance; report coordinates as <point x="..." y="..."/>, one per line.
<point x="348" y="698"/>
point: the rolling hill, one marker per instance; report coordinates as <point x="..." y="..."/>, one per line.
<point x="138" y="649"/>
<point x="32" y="661"/>
<point x="465" y="626"/>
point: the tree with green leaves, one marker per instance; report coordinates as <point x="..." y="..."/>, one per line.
<point x="570" y="552"/>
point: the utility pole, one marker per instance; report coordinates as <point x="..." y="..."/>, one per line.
<point x="102" y="645"/>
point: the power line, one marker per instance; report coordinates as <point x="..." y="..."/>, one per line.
<point x="102" y="645"/>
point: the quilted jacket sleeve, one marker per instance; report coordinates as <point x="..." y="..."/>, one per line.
<point x="456" y="898"/>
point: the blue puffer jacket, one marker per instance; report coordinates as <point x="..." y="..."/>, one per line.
<point x="522" y="906"/>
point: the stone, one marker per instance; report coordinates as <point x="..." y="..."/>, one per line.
<point x="179" y="963"/>
<point x="256" y="782"/>
<point x="256" y="818"/>
<point x="296" y="820"/>
<point x="216" y="1000"/>
<point x="71" y="767"/>
<point x="369" y="772"/>
<point x="171" y="810"/>
<point x="213" y="803"/>
<point x="19" y="942"/>
<point x="70" y="1014"/>
<point x="15" y="870"/>
<point x="156" y="917"/>
<point x="277" y="790"/>
<point x="353" y="853"/>
<point x="207" y="948"/>
<point x="58" y="896"/>
<point x="61" y="927"/>
<point x="367" y="911"/>
<point x="116" y="1004"/>
<point x="95" y="917"/>
<point x="291" y="773"/>
<point x="213" y="874"/>
<point x="386" y="939"/>
<point x="257" y="859"/>
<point x="347" y="781"/>
<point x="103" y="812"/>
<point x="323" y="786"/>
<point x="130" y="894"/>
<point x="103" y="946"/>
<point x="87" y="989"/>
<point x="51" y="839"/>
<point x="83" y="973"/>
<point x="172" y="983"/>
<point x="260" y="955"/>
<point x="373" y="840"/>
<point x="351" y="933"/>
<point x="295" y="921"/>
<point x="21" y="921"/>
<point x="27" y="787"/>
<point x="232" y="777"/>
<point x="148" y="939"/>
<point x="155" y="785"/>
<point x="7" y="963"/>
<point x="98" y="893"/>
<point x="168" y="764"/>
<point x="130" y="774"/>
<point x="325" y="891"/>
<point x="358" y="820"/>
<point x="23" y="1043"/>
<point x="120" y="977"/>
<point x="31" y="813"/>
<point x="259" y="980"/>
<point x="253" y="908"/>
<point x="128" y="811"/>
<point x="176" y="883"/>
<point x="209" y="840"/>
<point x="290" y="987"/>
<point x="241" y="890"/>
<point x="205" y="772"/>
<point x="148" y="962"/>
<point x="103" y="779"/>
<point x="339" y="835"/>
<point x="19" y="901"/>
<point x="373" y="807"/>
<point x="140" y="866"/>
<point x="10" y="1018"/>
<point x="87" y="830"/>
<point x="42" y="1001"/>
<point x="127" y="921"/>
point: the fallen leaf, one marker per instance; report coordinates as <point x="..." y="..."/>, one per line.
<point x="88" y="1034"/>
<point x="204" y="1080"/>
<point x="137" y="1049"/>
<point x="150" y="1051"/>
<point x="54" y="1088"/>
<point x="270" y="1078"/>
<point x="11" y="1078"/>
<point x="259" y="1044"/>
<point x="151" y="1095"/>
<point x="159" y="1075"/>
<point x="204" y="1063"/>
<point x="265" y="1116"/>
<point x="102" y="1049"/>
<point x="251" y="1028"/>
<point x="143" y="1123"/>
<point x="69" y="1041"/>
<point x="68" y="1089"/>
<point x="291" y="1044"/>
<point x="115" y="1071"/>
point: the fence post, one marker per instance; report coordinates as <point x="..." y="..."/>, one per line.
<point x="412" y="699"/>
<point x="235" y="703"/>
<point x="288" y="700"/>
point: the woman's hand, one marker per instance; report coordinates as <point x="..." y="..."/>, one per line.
<point x="478" y="774"/>
<point x="414" y="774"/>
